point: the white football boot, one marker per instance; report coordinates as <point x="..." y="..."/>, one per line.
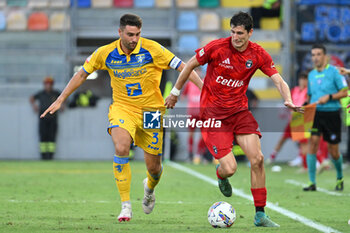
<point x="149" y="199"/>
<point x="126" y="213"/>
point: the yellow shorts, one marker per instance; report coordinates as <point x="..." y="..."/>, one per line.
<point x="149" y="139"/>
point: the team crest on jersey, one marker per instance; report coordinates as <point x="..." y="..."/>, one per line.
<point x="215" y="149"/>
<point x="140" y="58"/>
<point x="201" y="52"/>
<point x="249" y="64"/>
<point x="273" y="65"/>
<point x="88" y="59"/>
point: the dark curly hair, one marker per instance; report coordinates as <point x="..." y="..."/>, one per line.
<point x="242" y="19"/>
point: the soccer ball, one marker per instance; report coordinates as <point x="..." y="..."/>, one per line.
<point x="221" y="214"/>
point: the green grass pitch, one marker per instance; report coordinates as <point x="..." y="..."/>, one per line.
<point x="75" y="197"/>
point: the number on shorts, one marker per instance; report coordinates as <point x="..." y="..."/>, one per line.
<point x="155" y="136"/>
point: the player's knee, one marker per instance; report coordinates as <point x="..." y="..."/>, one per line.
<point x="154" y="168"/>
<point x="122" y="150"/>
<point x="229" y="169"/>
<point x="257" y="161"/>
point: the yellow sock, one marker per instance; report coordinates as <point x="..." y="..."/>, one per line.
<point x="122" y="174"/>
<point x="153" y="180"/>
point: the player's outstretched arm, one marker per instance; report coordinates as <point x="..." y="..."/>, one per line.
<point x="284" y="90"/>
<point x="78" y="79"/>
<point x="186" y="71"/>
<point x="194" y="77"/>
<point x="343" y="70"/>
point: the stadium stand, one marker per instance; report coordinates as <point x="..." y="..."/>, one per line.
<point x="59" y="3"/>
<point x="59" y="21"/>
<point x="123" y="3"/>
<point x="82" y="3"/>
<point x="241" y="4"/>
<point x="206" y="39"/>
<point x="2" y="21"/>
<point x="16" y="21"/>
<point x="187" y="3"/>
<point x="38" y="4"/>
<point x="209" y="21"/>
<point x="270" y="23"/>
<point x="187" y="21"/>
<point x="225" y="24"/>
<point x="188" y="43"/>
<point x="273" y="47"/>
<point x="209" y="3"/>
<point x="2" y="4"/>
<point x="164" y="3"/>
<point x="102" y="3"/>
<point x="17" y="3"/>
<point x="38" y="21"/>
<point x="144" y="3"/>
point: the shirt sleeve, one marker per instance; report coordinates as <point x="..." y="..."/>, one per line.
<point x="308" y="85"/>
<point x="267" y="65"/>
<point x="36" y="95"/>
<point x="340" y="80"/>
<point x="94" y="62"/>
<point x="203" y="54"/>
<point x="163" y="58"/>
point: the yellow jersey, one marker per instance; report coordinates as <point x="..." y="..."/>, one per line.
<point x="135" y="78"/>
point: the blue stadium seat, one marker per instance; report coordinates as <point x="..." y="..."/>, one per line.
<point x="318" y="2"/>
<point x="82" y="3"/>
<point x="188" y="43"/>
<point x="187" y="21"/>
<point x="143" y="3"/>
<point x="2" y="21"/>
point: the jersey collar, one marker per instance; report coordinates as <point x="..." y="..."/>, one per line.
<point x="135" y="51"/>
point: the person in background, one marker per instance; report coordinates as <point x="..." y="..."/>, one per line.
<point x="326" y="86"/>
<point x="346" y="103"/>
<point x="253" y="100"/>
<point x="270" y="8"/>
<point x="47" y="126"/>
<point x="299" y="96"/>
<point x="193" y="93"/>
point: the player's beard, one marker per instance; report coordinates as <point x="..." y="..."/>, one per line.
<point x="131" y="46"/>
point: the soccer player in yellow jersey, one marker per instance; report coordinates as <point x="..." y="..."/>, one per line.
<point x="135" y="66"/>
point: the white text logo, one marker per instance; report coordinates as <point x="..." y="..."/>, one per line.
<point x="229" y="82"/>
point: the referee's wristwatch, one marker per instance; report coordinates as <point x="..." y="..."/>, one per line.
<point x="330" y="97"/>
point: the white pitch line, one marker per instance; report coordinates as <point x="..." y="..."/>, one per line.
<point x="102" y="201"/>
<point x="297" y="183"/>
<point x="240" y="193"/>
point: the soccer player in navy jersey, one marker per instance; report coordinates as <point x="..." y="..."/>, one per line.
<point x="232" y="61"/>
